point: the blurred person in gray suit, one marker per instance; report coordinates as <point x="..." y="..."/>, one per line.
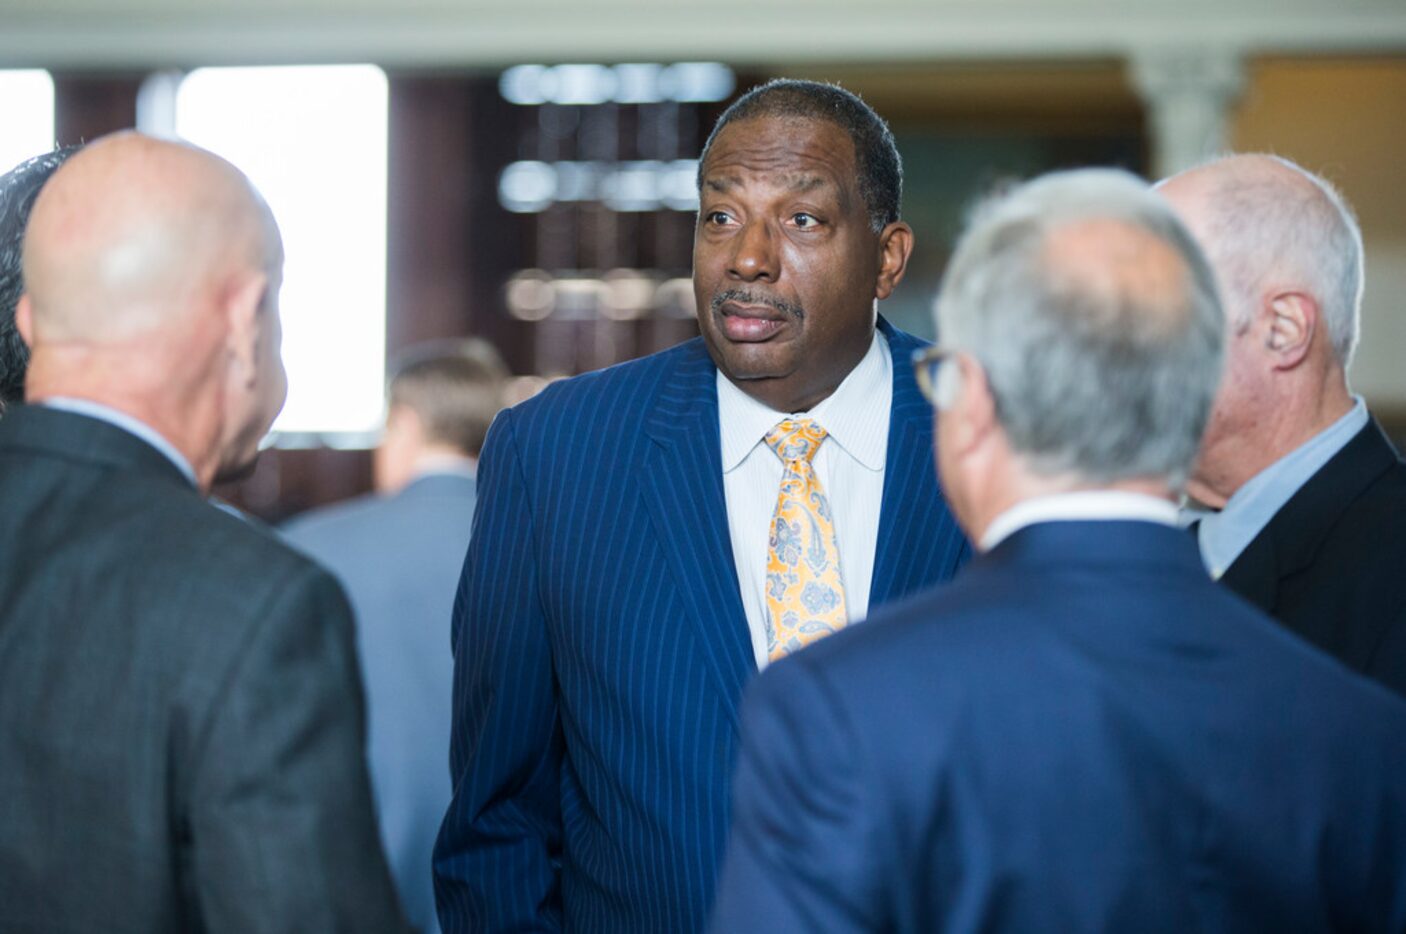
<point x="181" y="726"/>
<point x="398" y="553"/>
<point x="18" y="189"/>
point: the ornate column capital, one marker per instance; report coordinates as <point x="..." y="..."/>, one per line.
<point x="1188" y="92"/>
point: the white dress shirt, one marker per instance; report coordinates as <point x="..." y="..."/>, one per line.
<point x="1081" y="506"/>
<point x="849" y="465"/>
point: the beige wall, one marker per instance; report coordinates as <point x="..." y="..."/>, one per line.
<point x="1346" y="118"/>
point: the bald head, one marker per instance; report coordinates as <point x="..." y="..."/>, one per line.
<point x="135" y="233"/>
<point x="1269" y="225"/>
<point x="1112" y="263"/>
<point x="152" y="271"/>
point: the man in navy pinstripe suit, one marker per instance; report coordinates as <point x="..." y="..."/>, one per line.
<point x="614" y="600"/>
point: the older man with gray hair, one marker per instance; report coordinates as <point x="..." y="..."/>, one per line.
<point x="1304" y="495"/>
<point x="1068" y="736"/>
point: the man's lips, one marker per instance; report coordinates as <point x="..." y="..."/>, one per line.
<point x="751" y="323"/>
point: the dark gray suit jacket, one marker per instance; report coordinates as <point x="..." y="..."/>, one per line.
<point x="180" y="723"/>
<point x="1331" y="564"/>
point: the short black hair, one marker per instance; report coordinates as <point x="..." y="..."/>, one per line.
<point x="875" y="153"/>
<point x="19" y="188"/>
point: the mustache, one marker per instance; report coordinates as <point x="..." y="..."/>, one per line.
<point x="743" y="297"/>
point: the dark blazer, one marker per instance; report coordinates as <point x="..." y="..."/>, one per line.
<point x="180" y="720"/>
<point x="399" y="557"/>
<point x="1080" y="733"/>
<point x="1331" y="564"/>
<point x="601" y="647"/>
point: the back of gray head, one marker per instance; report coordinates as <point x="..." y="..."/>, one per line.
<point x="1091" y="377"/>
<point x="1299" y="230"/>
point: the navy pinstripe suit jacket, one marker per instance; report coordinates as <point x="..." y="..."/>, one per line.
<point x="601" y="648"/>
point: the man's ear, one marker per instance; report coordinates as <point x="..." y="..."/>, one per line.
<point x="895" y="246"/>
<point x="973" y="408"/>
<point x="24" y="319"/>
<point x="401" y="445"/>
<point x="243" y="302"/>
<point x="1293" y="319"/>
<point x="404" y="423"/>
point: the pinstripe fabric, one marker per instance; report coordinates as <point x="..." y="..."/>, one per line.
<point x="601" y="649"/>
<point x="919" y="543"/>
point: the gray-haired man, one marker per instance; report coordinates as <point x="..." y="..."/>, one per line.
<point x="1066" y="737"/>
<point x="1305" y="494"/>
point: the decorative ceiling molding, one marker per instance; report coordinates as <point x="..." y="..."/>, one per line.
<point x="477" y="33"/>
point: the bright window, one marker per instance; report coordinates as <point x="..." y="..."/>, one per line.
<point x="313" y="140"/>
<point x="28" y="127"/>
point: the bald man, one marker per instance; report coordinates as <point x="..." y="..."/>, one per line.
<point x="1304" y="495"/>
<point x="180" y="719"/>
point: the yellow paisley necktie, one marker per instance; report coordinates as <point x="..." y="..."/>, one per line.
<point x="805" y="596"/>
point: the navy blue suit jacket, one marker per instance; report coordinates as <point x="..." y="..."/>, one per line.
<point x="601" y="647"/>
<point x="1081" y="733"/>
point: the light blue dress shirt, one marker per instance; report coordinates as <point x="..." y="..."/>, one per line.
<point x="1225" y="534"/>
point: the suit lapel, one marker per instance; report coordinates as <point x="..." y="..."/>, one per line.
<point x="1290" y="541"/>
<point x="914" y="526"/>
<point x="681" y="482"/>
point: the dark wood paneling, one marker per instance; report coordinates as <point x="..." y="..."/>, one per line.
<point x="449" y="249"/>
<point x="92" y="104"/>
<point x="285" y="482"/>
<point x="451" y="245"/>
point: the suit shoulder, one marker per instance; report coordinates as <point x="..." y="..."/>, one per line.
<point x="945" y="626"/>
<point x="333" y="521"/>
<point x="231" y="553"/>
<point x="185" y="578"/>
<point x="597" y="417"/>
<point x="901" y="344"/>
<point x="1368" y="536"/>
<point x="1383" y="500"/>
<point x="630" y="384"/>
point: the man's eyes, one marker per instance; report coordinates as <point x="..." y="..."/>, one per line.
<point x="802" y="220"/>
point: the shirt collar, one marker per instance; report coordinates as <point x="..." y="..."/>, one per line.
<point x="1081" y="506"/>
<point x="128" y="424"/>
<point x="1224" y="535"/>
<point x="847" y="414"/>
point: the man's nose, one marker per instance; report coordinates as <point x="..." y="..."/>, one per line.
<point x="755" y="256"/>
